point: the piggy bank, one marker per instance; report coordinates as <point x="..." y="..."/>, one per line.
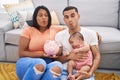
<point x="51" y="47"/>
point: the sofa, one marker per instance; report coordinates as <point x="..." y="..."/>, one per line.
<point x="103" y="16"/>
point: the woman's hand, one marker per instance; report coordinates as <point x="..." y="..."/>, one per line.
<point x="51" y="56"/>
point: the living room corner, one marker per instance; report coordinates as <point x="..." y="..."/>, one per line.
<point x="101" y="16"/>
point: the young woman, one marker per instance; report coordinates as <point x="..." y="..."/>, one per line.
<point x="33" y="64"/>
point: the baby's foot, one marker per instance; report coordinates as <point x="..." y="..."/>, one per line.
<point x="83" y="72"/>
<point x="71" y="77"/>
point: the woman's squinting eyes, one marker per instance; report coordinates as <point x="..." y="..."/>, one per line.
<point x="41" y="15"/>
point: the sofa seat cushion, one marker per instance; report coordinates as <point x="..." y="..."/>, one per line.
<point x="110" y="39"/>
<point x="13" y="36"/>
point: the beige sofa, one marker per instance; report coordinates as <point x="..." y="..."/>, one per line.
<point x="99" y="15"/>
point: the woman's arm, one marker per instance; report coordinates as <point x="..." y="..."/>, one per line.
<point x="23" y="49"/>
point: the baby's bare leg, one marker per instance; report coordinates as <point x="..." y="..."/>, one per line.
<point x="70" y="67"/>
<point x="83" y="71"/>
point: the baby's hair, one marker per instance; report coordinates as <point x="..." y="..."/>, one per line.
<point x="77" y="34"/>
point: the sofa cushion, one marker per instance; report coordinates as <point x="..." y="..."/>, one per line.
<point x="13" y="36"/>
<point x="51" y="5"/>
<point x="4" y="16"/>
<point x="13" y="8"/>
<point x="24" y="16"/>
<point x="110" y="39"/>
<point x="29" y="22"/>
<point x="97" y="12"/>
<point x="54" y="17"/>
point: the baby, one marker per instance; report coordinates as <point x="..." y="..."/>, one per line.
<point x="82" y="67"/>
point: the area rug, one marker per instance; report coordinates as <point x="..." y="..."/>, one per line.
<point x="7" y="72"/>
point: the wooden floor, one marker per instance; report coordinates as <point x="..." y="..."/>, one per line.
<point x="109" y="71"/>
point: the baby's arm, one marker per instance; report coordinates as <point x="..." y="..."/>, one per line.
<point x="84" y="49"/>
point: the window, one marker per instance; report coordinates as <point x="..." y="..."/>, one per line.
<point x="7" y="2"/>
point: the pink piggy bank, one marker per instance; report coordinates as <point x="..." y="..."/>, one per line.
<point x="51" y="47"/>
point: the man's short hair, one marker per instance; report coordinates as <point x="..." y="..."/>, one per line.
<point x="69" y="8"/>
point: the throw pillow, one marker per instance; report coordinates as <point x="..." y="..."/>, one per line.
<point x="29" y="22"/>
<point x="24" y="16"/>
<point x="55" y="20"/>
<point x="13" y="8"/>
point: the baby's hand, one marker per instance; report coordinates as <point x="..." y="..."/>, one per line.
<point x="71" y="77"/>
<point x="67" y="53"/>
<point x="75" y="50"/>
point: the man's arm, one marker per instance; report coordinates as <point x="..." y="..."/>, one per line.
<point x="84" y="49"/>
<point x="96" y="59"/>
<point x="70" y="56"/>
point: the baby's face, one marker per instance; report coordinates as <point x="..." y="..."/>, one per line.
<point x="75" y="42"/>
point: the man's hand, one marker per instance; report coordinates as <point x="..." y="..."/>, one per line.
<point x="75" y="50"/>
<point x="99" y="37"/>
<point x="77" y="56"/>
<point x="86" y="76"/>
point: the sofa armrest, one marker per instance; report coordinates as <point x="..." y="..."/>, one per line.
<point x="5" y="25"/>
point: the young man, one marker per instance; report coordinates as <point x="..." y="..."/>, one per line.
<point x="71" y="18"/>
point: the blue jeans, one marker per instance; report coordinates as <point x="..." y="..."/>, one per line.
<point x="25" y="71"/>
<point x="65" y="75"/>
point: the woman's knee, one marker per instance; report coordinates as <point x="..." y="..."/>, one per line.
<point x="56" y="68"/>
<point x="40" y="67"/>
<point x="56" y="71"/>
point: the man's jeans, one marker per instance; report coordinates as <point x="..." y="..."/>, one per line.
<point x="65" y="75"/>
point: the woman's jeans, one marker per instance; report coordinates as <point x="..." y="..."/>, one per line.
<point x="25" y="69"/>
